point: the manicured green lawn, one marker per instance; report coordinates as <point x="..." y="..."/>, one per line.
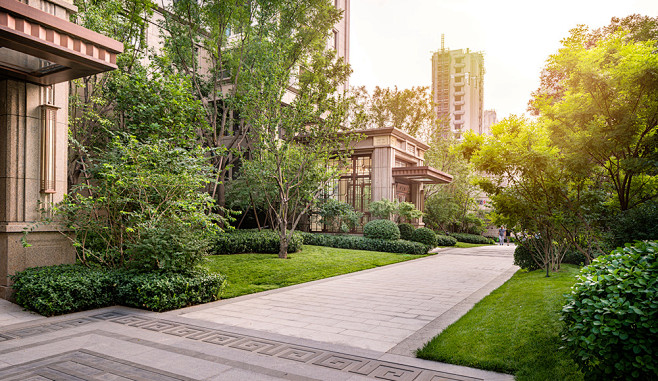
<point x="250" y="273"/>
<point x="464" y="244"/>
<point x="513" y="330"/>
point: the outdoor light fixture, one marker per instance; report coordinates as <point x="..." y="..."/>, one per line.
<point x="48" y="123"/>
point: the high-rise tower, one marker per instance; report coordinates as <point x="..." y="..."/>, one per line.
<point x="457" y="86"/>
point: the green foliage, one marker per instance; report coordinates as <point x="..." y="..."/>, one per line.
<point x="611" y="315"/>
<point x="381" y="229"/>
<point x="425" y="236"/>
<point x="409" y="110"/>
<point x="445" y="240"/>
<point x="62" y="289"/>
<point x="364" y="243"/>
<point x="406" y="230"/>
<point x="524" y="258"/>
<point x="402" y="211"/>
<point x="143" y="207"/>
<point x="338" y="216"/>
<point x="162" y="291"/>
<point x="253" y="241"/>
<point x="637" y="224"/>
<point x="56" y="290"/>
<point x="382" y="209"/>
<point x="471" y="238"/>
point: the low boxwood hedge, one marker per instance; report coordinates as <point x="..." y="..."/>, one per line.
<point x="445" y="240"/>
<point x="362" y="243"/>
<point x="61" y="289"/>
<point x="160" y="291"/>
<point x="472" y="238"/>
<point x="254" y="241"/>
<point x="406" y="230"/>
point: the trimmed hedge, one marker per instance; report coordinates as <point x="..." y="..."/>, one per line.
<point x="254" y="241"/>
<point x="611" y="315"/>
<point x="61" y="289"/>
<point x="56" y="290"/>
<point x="157" y="291"/>
<point x="424" y="236"/>
<point x="472" y="238"/>
<point x="381" y="229"/>
<point x="406" y="230"/>
<point x="445" y="240"/>
<point x="362" y="243"/>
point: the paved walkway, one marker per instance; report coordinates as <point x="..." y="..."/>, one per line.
<point x="287" y="334"/>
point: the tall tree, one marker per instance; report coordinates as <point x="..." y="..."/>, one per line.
<point x="408" y="109"/>
<point x="225" y="46"/>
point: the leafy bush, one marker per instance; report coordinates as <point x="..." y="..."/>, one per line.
<point x="524" y="259"/>
<point x="354" y="242"/>
<point x="611" y="315"/>
<point x="142" y="207"/>
<point x="381" y="229"/>
<point x="406" y="230"/>
<point x="639" y="223"/>
<point x="574" y="257"/>
<point x="424" y="236"/>
<point x="162" y="291"/>
<point x="471" y="238"/>
<point x="253" y="241"/>
<point x="56" y="290"/>
<point x="338" y="216"/>
<point x="445" y="240"/>
<point x="402" y="211"/>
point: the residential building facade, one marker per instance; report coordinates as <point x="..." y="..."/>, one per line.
<point x="387" y="164"/>
<point x="40" y="51"/>
<point x="458" y="90"/>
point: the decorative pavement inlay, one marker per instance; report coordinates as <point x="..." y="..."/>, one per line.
<point x="85" y="365"/>
<point x="66" y="365"/>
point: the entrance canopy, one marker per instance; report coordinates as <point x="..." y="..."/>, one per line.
<point x="44" y="49"/>
<point x="425" y="175"/>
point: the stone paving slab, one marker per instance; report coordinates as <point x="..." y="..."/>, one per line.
<point x="11" y="313"/>
<point x="394" y="308"/>
<point x="119" y="343"/>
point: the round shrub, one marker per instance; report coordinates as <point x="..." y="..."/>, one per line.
<point x="424" y="235"/>
<point x="381" y="229"/>
<point x="611" y="315"/>
<point x="445" y="240"/>
<point x="523" y="258"/>
<point x="406" y="230"/>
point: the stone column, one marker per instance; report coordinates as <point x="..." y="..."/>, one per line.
<point x="20" y="192"/>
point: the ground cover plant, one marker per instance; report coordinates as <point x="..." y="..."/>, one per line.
<point x="513" y="330"/>
<point x="250" y="273"/>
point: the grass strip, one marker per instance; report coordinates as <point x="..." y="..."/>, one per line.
<point x="513" y="330"/>
<point x="250" y="273"/>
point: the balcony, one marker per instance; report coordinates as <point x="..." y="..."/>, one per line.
<point x="459" y="112"/>
<point x="458" y="103"/>
<point x="461" y="64"/>
<point x="458" y="93"/>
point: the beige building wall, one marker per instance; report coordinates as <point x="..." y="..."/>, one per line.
<point x="20" y="191"/>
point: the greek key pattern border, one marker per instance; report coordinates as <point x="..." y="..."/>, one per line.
<point x="371" y="368"/>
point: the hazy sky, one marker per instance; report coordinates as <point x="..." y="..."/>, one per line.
<point x="392" y="41"/>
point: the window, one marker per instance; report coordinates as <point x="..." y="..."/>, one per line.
<point x="458" y="108"/>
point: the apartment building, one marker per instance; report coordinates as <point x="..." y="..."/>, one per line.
<point x="458" y="91"/>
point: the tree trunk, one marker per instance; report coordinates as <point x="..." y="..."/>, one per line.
<point x="283" y="248"/>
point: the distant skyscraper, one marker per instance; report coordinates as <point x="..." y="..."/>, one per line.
<point x="490" y="118"/>
<point x="457" y="84"/>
